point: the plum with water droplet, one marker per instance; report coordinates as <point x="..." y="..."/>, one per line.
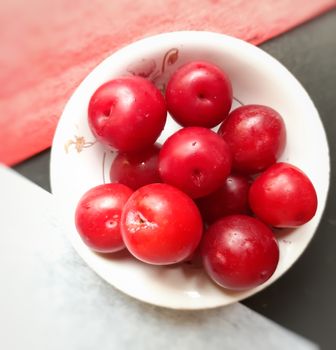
<point x="239" y="252"/>
<point x="127" y="113"/>
<point x="199" y="94"/>
<point x="98" y="215"/>
<point x="196" y="160"/>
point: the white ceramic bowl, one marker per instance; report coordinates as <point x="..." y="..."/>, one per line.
<point x="79" y="163"/>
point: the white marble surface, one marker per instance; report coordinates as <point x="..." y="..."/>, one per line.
<point x="49" y="299"/>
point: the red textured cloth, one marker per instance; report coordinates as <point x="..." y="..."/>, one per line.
<point x="47" y="48"/>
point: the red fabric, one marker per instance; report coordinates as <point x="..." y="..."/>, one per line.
<point x="47" y="48"/>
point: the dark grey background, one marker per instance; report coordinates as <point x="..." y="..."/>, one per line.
<point x="303" y="300"/>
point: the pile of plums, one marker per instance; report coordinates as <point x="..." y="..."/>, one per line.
<point x="220" y="191"/>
